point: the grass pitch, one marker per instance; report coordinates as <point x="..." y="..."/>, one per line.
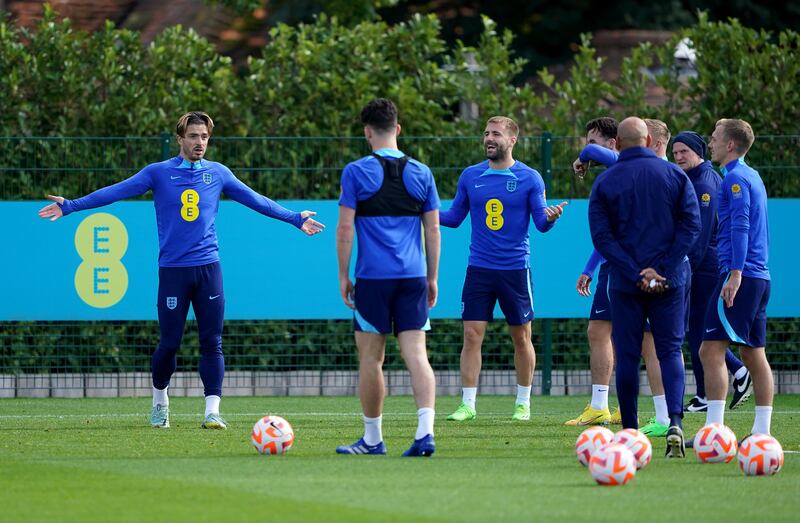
<point x="98" y="460"/>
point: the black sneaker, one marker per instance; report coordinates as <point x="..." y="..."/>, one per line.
<point x="675" y="445"/>
<point x="696" y="404"/>
<point x="742" y="389"/>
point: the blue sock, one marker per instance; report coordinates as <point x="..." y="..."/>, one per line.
<point x="732" y="362"/>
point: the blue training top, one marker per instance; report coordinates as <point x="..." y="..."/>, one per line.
<point x="703" y="254"/>
<point x="186" y="197"/>
<point x="501" y="204"/>
<point x="388" y="246"/>
<point x="743" y="239"/>
<point x="605" y="156"/>
<point x="643" y="212"/>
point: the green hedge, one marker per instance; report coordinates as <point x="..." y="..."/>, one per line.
<point x="85" y="347"/>
<point x="312" y="80"/>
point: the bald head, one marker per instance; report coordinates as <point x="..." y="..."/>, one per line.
<point x="632" y="132"/>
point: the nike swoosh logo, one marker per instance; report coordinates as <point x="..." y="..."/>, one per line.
<point x="599" y="311"/>
<point x="711" y="330"/>
<point x="174" y="177"/>
<point x="213" y="297"/>
<point x="481" y="185"/>
<point x="526" y="314"/>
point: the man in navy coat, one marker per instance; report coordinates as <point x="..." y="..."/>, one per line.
<point x="644" y="218"/>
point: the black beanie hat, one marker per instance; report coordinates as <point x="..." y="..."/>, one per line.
<point x="693" y="141"/>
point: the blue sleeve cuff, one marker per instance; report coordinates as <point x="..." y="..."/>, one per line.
<point x="66" y="207"/>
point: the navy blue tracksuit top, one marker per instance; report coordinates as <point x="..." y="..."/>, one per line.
<point x="643" y="212"/>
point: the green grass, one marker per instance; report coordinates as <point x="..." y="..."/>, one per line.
<point x="98" y="460"/>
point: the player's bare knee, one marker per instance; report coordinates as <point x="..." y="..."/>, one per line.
<point x="371" y="359"/>
<point x="598" y="332"/>
<point x="754" y="358"/>
<point x="473" y="336"/>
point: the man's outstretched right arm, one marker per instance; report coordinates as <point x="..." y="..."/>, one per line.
<point x="136" y="185"/>
<point x="459" y="209"/>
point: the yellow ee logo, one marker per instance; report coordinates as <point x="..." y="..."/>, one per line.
<point x="735" y="188"/>
<point x="101" y="241"/>
<point x="190" y="211"/>
<point x="494" y="214"/>
<point x="706" y="197"/>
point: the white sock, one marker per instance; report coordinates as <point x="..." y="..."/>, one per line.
<point x="523" y="395"/>
<point x="662" y="415"/>
<point x="469" y="395"/>
<point x="212" y="405"/>
<point x="715" y="412"/>
<point x="763" y="420"/>
<point x="740" y="373"/>
<point x="599" y="397"/>
<point x="160" y="397"/>
<point x="373" y="434"/>
<point x="424" y="422"/>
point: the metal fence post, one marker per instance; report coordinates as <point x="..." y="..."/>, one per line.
<point x="165" y="139"/>
<point x="547" y="356"/>
<point x="547" y="159"/>
<point x="547" y="324"/>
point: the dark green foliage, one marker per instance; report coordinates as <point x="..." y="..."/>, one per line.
<point x="312" y="79"/>
<point x="239" y="6"/>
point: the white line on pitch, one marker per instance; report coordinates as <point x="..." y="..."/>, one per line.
<point x="174" y="415"/>
<point x="284" y="414"/>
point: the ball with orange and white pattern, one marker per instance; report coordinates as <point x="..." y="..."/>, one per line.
<point x="760" y="455"/>
<point x="715" y="443"/>
<point x="272" y="435"/>
<point x="612" y="464"/>
<point x="590" y="440"/>
<point x="637" y="443"/>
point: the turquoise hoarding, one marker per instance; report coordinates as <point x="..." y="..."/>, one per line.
<point x="102" y="264"/>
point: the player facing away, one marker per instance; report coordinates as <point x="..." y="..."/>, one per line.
<point x="644" y="218"/>
<point x="601" y="139"/>
<point x="501" y="195"/>
<point x="689" y="150"/>
<point x="601" y="142"/>
<point x="739" y="316"/>
<point x="186" y="193"/>
<point x="386" y="199"/>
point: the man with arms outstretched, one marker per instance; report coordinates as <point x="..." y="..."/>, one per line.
<point x="186" y="193"/>
<point x="501" y="195"/>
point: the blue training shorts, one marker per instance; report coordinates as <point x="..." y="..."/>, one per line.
<point x="601" y="305"/>
<point x="393" y="305"/>
<point x="513" y="289"/>
<point x="746" y="322"/>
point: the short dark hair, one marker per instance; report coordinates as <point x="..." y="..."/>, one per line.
<point x="605" y="125"/>
<point x="194" y="118"/>
<point x="380" y="114"/>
